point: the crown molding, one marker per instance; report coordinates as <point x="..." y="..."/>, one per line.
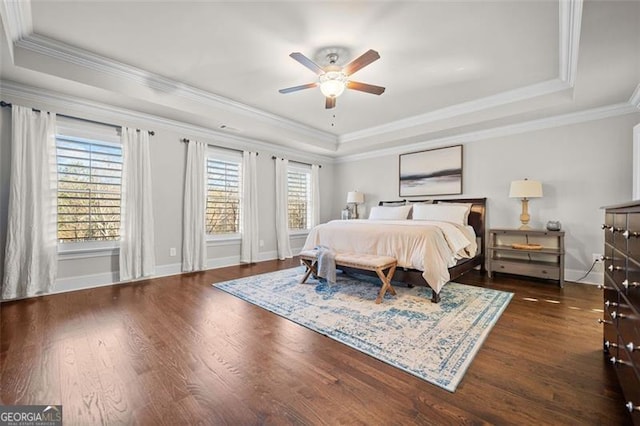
<point x="512" y="129"/>
<point x="63" y="52"/>
<point x="16" y="20"/>
<point x="18" y="24"/>
<point x="634" y="100"/>
<point x="83" y="108"/>
<point x="515" y="95"/>
<point x="570" y="21"/>
<point x="91" y="110"/>
<point x="570" y="13"/>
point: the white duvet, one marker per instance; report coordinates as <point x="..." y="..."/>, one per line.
<point x="428" y="246"/>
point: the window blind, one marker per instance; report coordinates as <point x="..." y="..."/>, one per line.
<point x="299" y="188"/>
<point x="223" y="197"/>
<point x="89" y="189"/>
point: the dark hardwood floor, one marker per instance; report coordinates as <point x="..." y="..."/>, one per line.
<point x="175" y="351"/>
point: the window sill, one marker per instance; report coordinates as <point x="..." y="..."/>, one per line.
<point x="87" y="252"/>
<point x="224" y="241"/>
<point x="299" y="233"/>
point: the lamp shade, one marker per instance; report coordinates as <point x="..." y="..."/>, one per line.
<point x="355" y="197"/>
<point x="525" y="189"/>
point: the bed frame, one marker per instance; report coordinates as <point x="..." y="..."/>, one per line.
<point x="477" y="219"/>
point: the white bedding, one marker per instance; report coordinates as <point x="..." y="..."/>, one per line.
<point x="428" y="246"/>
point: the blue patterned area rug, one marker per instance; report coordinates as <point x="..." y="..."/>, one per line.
<point x="435" y="342"/>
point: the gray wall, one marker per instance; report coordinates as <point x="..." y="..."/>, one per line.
<point x="582" y="167"/>
<point x="168" y="156"/>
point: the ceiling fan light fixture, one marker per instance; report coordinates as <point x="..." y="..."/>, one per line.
<point x="333" y="79"/>
<point x="332" y="83"/>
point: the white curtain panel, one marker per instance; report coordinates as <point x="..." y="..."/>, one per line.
<point x="282" y="214"/>
<point x="194" y="244"/>
<point x="315" y="195"/>
<point x="31" y="257"/>
<point x="249" y="208"/>
<point x="137" y="248"/>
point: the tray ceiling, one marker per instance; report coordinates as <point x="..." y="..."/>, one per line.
<point x="445" y="65"/>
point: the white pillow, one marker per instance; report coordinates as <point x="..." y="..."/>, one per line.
<point x="413" y="203"/>
<point x="389" y="213"/>
<point x="440" y="212"/>
<point x="467" y="205"/>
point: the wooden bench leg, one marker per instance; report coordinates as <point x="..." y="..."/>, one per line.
<point x="311" y="268"/>
<point x="390" y="273"/>
<point x="386" y="283"/>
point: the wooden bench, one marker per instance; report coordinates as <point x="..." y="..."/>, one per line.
<point x="367" y="262"/>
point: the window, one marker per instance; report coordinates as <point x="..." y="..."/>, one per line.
<point x="89" y="189"/>
<point x="299" y="200"/>
<point x="223" y="193"/>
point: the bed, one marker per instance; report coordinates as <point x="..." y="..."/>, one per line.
<point x="418" y="245"/>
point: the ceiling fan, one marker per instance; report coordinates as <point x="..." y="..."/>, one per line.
<point x="333" y="79"/>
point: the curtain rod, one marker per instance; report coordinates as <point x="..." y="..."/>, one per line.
<point x="185" y="140"/>
<point x="6" y="104"/>
<point x="273" y="157"/>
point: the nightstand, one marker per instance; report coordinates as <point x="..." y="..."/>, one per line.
<point x="547" y="262"/>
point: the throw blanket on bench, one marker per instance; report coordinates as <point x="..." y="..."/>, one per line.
<point x="326" y="263"/>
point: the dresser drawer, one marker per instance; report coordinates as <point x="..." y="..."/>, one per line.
<point x="610" y="297"/>
<point x="615" y="224"/>
<point x="610" y="340"/>
<point x="628" y="379"/>
<point x="611" y="314"/>
<point x="615" y="267"/>
<point x="628" y="322"/>
<point x="631" y="351"/>
<point x="633" y="229"/>
<point x="608" y="225"/>
<point x="537" y="270"/>
<point x="619" y="226"/>
<point x="630" y="286"/>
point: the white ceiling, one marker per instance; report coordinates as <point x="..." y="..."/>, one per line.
<point x="447" y="66"/>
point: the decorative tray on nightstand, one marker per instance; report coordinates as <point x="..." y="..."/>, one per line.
<point x="526" y="246"/>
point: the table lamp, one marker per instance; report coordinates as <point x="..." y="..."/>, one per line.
<point x="525" y="189"/>
<point x="355" y="198"/>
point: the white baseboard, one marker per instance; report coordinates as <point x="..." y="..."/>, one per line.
<point x="84" y="282"/>
<point x="221" y="262"/>
<point x="166" y="270"/>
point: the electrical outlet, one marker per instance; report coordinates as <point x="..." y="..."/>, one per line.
<point x="597" y="257"/>
<point x="172" y="251"/>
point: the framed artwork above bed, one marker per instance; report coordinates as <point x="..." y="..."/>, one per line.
<point x="431" y="172"/>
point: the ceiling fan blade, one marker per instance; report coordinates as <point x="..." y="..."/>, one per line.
<point x="330" y="103"/>
<point x="361" y="62"/>
<point x="296" y="88"/>
<point x="307" y="62"/>
<point x="364" y="87"/>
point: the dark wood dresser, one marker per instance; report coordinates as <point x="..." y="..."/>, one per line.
<point x="621" y="322"/>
